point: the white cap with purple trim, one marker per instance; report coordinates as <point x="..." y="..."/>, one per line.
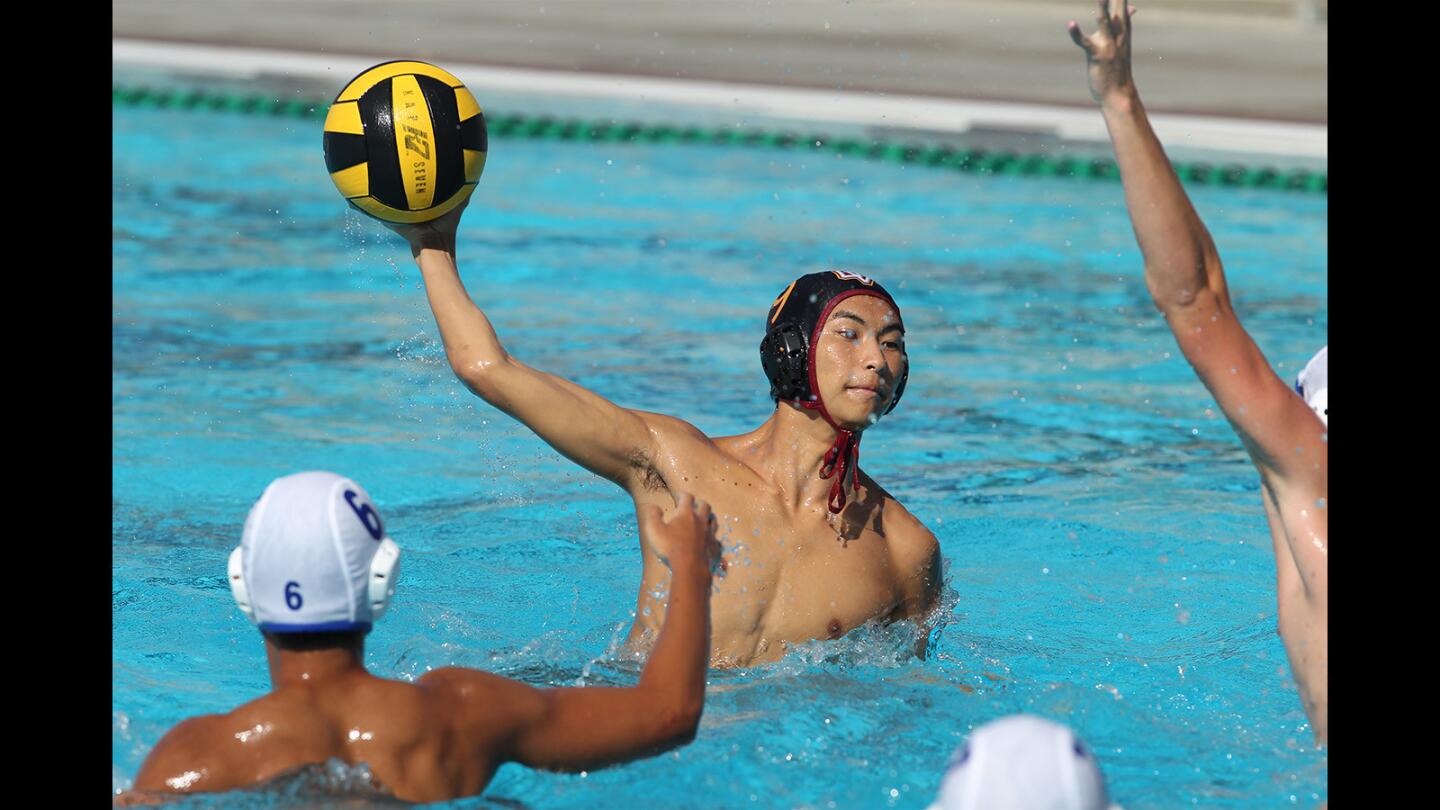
<point x="314" y="557"/>
<point x="1313" y="384"/>
<point x="1023" y="762"/>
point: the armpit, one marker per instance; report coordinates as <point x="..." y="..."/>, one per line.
<point x="648" y="475"/>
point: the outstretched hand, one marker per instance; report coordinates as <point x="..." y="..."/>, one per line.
<point x="437" y="233"/>
<point x="686" y="542"/>
<point x="1107" y="51"/>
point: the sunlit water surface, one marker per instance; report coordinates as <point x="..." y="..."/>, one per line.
<point x="1107" y="561"/>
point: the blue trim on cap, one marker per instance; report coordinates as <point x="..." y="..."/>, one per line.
<point x="319" y="627"/>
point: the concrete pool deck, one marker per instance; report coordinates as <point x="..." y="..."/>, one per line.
<point x="1254" y="68"/>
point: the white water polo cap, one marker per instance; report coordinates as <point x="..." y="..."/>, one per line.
<point x="314" y="557"/>
<point x="1313" y="384"/>
<point x="1023" y="762"/>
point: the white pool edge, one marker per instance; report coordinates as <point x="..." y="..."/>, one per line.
<point x="922" y="114"/>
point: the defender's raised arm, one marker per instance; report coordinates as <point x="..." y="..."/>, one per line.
<point x="1286" y="438"/>
<point x="583" y="728"/>
<point x="1183" y="270"/>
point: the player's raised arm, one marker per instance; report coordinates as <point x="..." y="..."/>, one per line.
<point x="1286" y="439"/>
<point x="587" y="428"/>
<point x="590" y="727"/>
<point x="1183" y="270"/>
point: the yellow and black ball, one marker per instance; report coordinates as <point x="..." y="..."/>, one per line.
<point x="405" y="142"/>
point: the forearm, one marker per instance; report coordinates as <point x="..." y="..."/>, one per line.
<point x="591" y="727"/>
<point x="680" y="657"/>
<point x="1181" y="264"/>
<point x="588" y="429"/>
<point x="469" y="338"/>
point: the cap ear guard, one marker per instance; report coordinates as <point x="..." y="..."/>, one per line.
<point x="784" y="357"/>
<point x="236" y="574"/>
<point x="1319" y="402"/>
<point x="1313" y="384"/>
<point x="384" y="571"/>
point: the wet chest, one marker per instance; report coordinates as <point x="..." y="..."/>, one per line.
<point x="802" y="579"/>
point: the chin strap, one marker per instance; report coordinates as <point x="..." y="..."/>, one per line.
<point x="842" y="459"/>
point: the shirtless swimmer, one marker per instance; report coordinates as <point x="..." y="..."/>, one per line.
<point x="835" y="549"/>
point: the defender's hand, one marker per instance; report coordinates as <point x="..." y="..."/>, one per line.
<point x="686" y="542"/>
<point x="438" y="233"/>
<point x="1107" y="51"/>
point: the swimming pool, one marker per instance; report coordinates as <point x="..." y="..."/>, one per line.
<point x="1107" y="556"/>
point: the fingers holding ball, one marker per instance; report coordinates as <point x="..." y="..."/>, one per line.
<point x="405" y="142"/>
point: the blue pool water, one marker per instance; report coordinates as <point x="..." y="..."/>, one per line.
<point x="1106" y="553"/>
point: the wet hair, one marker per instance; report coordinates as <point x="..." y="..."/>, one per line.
<point x="310" y="642"/>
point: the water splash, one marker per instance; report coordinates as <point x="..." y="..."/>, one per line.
<point x="319" y="785"/>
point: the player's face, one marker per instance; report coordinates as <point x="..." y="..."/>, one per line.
<point x="859" y="360"/>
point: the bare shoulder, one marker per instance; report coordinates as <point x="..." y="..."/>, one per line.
<point x="672" y="429"/>
<point x="914" y="555"/>
<point x="190" y="757"/>
<point x="462" y="682"/>
<point x="483" y="700"/>
<point x="911" y="542"/>
<point x="677" y="448"/>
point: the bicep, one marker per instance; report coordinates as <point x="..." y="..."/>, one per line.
<point x="557" y="729"/>
<point x="1299" y="517"/>
<point x="1286" y="440"/>
<point x="575" y="729"/>
<point x="580" y="424"/>
<point x="925" y="585"/>
<point x="919" y="566"/>
<point x="921" y="580"/>
<point x="593" y="727"/>
<point x="1282" y="434"/>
